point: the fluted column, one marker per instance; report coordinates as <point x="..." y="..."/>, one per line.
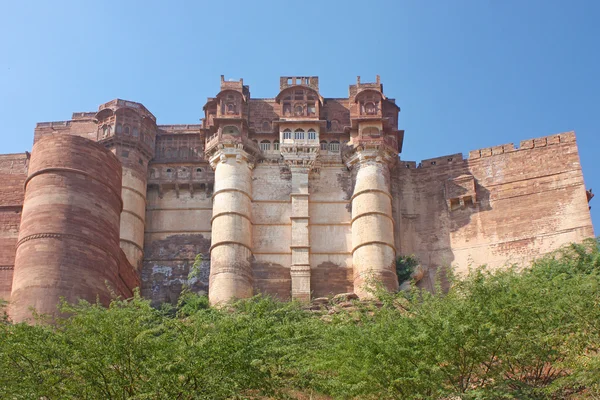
<point x="373" y="251"/>
<point x="231" y="249"/>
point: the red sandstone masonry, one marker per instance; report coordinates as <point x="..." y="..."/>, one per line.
<point x="528" y="201"/>
<point x="502" y="203"/>
<point x="69" y="235"/>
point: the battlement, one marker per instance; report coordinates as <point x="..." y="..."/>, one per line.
<point x="443" y="160"/>
<point x="180" y="128"/>
<point x="83" y="115"/>
<point x="361" y="86"/>
<point x="289" y="81"/>
<point x="118" y="103"/>
<point x="53" y="124"/>
<point x="565" y="137"/>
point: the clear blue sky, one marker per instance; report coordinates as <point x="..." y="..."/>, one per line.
<point x="467" y="74"/>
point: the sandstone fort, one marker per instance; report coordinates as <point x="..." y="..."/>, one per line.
<point x="295" y="196"/>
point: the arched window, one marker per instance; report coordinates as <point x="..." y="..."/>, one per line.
<point x="287" y="134"/>
<point x="106" y="131"/>
<point x="312" y="110"/>
<point x="265" y="145"/>
<point x="299" y="134"/>
<point x="119" y="128"/>
<point x="335" y="126"/>
<point x="169" y="173"/>
<point x="334" y="146"/>
<point x="231" y="130"/>
<point x="198" y="170"/>
<point x="323" y="145"/>
<point x="370" y="108"/>
<point x="312" y="135"/>
<point x="276" y="145"/>
<point x="136" y="132"/>
<point x="298" y="110"/>
<point x="230" y="108"/>
<point x="126" y="129"/>
<point x="371" y="131"/>
<point x="287" y="108"/>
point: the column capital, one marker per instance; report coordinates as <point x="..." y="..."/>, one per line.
<point x="368" y="154"/>
<point x="232" y="153"/>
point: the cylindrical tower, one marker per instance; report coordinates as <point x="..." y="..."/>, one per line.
<point x="231" y="249"/>
<point x="373" y="251"/>
<point x="68" y="242"/>
<point x="128" y="129"/>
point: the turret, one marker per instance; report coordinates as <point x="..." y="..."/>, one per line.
<point x="232" y="155"/>
<point x="68" y="242"/>
<point x="129" y="130"/>
<point x="372" y="152"/>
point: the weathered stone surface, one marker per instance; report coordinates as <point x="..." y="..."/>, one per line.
<point x="294" y="196"/>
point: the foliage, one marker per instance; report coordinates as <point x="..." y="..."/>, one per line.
<point x="405" y="266"/>
<point x="531" y="333"/>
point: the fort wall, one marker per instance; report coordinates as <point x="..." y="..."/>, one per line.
<point x="502" y="205"/>
<point x="13" y="172"/>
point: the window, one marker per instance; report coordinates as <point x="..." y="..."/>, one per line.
<point x="335" y="126"/>
<point x="371" y="131"/>
<point x="299" y="134"/>
<point x="312" y="110"/>
<point x="312" y="135"/>
<point x="126" y="129"/>
<point x="287" y="134"/>
<point x="454" y="204"/>
<point x="265" y="145"/>
<point x="323" y="145"/>
<point x="468" y="201"/>
<point x="230" y="108"/>
<point x="298" y="110"/>
<point x="106" y="131"/>
<point x="119" y="128"/>
<point x="231" y="130"/>
<point x="370" y="109"/>
<point x="136" y="132"/>
<point x="287" y="108"/>
<point x="334" y="146"/>
<point x="299" y="95"/>
<point x="276" y="145"/>
<point x="198" y="170"/>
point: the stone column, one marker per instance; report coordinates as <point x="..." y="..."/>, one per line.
<point x="231" y="249"/>
<point x="373" y="250"/>
<point x="133" y="216"/>
<point x="300" y="268"/>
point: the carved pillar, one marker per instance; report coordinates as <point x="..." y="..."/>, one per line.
<point x="301" y="157"/>
<point x="373" y="250"/>
<point x="231" y="249"/>
<point x="300" y="268"/>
